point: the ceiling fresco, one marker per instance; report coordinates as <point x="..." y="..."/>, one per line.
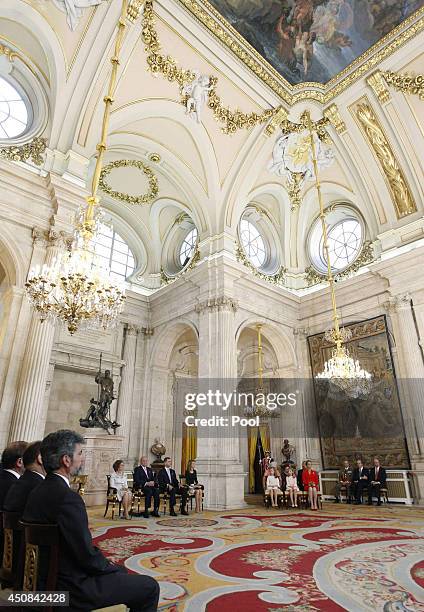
<point x="313" y="40"/>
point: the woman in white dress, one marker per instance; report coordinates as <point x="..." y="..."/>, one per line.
<point x="118" y="481"/>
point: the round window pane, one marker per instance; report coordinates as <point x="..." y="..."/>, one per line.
<point x="187" y="247"/>
<point x="253" y="243"/>
<point x="345" y="239"/>
<point x="13" y="111"/>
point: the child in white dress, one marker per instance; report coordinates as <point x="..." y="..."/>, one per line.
<point x="292" y="488"/>
<point x="273" y="487"/>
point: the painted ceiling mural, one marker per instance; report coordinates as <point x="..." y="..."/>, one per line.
<point x="313" y="40"/>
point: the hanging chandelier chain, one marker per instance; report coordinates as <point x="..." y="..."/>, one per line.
<point x="337" y="335"/>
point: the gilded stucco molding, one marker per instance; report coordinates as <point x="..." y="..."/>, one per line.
<point x="279" y="278"/>
<point x="206" y="14"/>
<point x="32" y="151"/>
<point x="217" y="304"/>
<point x="333" y="115"/>
<point x="365" y="257"/>
<point x="406" y="83"/>
<point x="7" y="52"/>
<point x="146" y="198"/>
<point x="166" y="280"/>
<point x="377" y="84"/>
<point x="166" y="65"/>
<point x="398" y="186"/>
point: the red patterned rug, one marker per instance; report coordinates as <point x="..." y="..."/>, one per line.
<point x="264" y="562"/>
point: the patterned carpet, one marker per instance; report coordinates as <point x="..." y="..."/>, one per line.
<point x="263" y="560"/>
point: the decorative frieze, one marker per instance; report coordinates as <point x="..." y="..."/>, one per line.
<point x="217" y="304"/>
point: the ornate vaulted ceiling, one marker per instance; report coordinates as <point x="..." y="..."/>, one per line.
<point x="314" y="42"/>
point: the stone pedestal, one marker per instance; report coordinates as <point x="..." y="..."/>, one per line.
<point x="101" y="450"/>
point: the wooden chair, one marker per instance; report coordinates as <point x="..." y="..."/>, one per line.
<point x="193" y="495"/>
<point x="37" y="535"/>
<point x="384" y="495"/>
<point x="112" y="498"/>
<point x="11" y="527"/>
<point x="78" y="482"/>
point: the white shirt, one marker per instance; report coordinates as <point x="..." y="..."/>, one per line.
<point x="168" y="471"/>
<point x="64" y="478"/>
<point x="38" y="474"/>
<point x="14" y="473"/>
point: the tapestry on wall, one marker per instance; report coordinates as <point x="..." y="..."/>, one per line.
<point x="367" y="426"/>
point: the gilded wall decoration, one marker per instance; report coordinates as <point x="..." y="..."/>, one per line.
<point x="166" y="65"/>
<point x="146" y="198"/>
<point x="365" y="257"/>
<point x="406" y="83"/>
<point x="32" y="151"/>
<point x="366" y="427"/>
<point x="166" y="280"/>
<point x="231" y="21"/>
<point x="279" y="278"/>
<point x="398" y="186"/>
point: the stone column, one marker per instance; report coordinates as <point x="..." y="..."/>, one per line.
<point x="126" y="390"/>
<point x="411" y="382"/>
<point x="218" y="454"/>
<point x="29" y="416"/>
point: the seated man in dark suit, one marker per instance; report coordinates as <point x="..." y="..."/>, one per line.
<point x="13" y="468"/>
<point x="145" y="479"/>
<point x="17" y="496"/>
<point x="378" y="479"/>
<point x="360" y="480"/>
<point x="168" y="483"/>
<point x="92" y="581"/>
<point x="300" y="476"/>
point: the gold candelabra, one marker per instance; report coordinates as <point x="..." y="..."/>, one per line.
<point x="75" y="288"/>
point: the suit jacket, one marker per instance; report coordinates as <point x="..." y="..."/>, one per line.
<point x="18" y="493"/>
<point x="163" y="479"/>
<point x="53" y="502"/>
<point x="345" y="475"/>
<point x="300" y="479"/>
<point x="140" y="477"/>
<point x="6" y="481"/>
<point x="381" y="478"/>
<point x="365" y="472"/>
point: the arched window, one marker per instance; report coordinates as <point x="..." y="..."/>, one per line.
<point x="345" y="233"/>
<point x="113" y="252"/>
<point x="252" y="243"/>
<point x="14" y="115"/>
<point x="187" y="246"/>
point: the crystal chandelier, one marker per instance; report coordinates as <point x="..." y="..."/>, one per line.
<point x="341" y="370"/>
<point x="75" y="288"/>
<point x="259" y="406"/>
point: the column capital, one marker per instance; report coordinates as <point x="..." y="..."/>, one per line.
<point x="217" y="304"/>
<point x="132" y="330"/>
<point x="51" y="237"/>
<point x="396" y="303"/>
<point x="301" y="332"/>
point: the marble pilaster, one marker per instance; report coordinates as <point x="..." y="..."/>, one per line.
<point x="126" y="390"/>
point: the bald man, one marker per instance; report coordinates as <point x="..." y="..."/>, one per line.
<point x="145" y="479"/>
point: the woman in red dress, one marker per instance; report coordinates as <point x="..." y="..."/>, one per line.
<point x="310" y="484"/>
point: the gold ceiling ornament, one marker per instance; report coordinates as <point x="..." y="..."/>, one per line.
<point x="166" y="65"/>
<point x="397" y="183"/>
<point x="365" y="257"/>
<point x="341" y="370"/>
<point x="333" y="115"/>
<point x="406" y="83"/>
<point x="32" y="151"/>
<point x="377" y="84"/>
<point x="75" y="288"/>
<point x="291" y="156"/>
<point x="276" y="120"/>
<point x="166" y="280"/>
<point x="228" y="36"/>
<point x="146" y="198"/>
<point x="279" y="278"/>
<point x="155" y="158"/>
<point x="7" y="52"/>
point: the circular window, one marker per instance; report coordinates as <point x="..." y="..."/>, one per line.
<point x="13" y="111"/>
<point x="253" y="243"/>
<point x="187" y="247"/>
<point x="345" y="236"/>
